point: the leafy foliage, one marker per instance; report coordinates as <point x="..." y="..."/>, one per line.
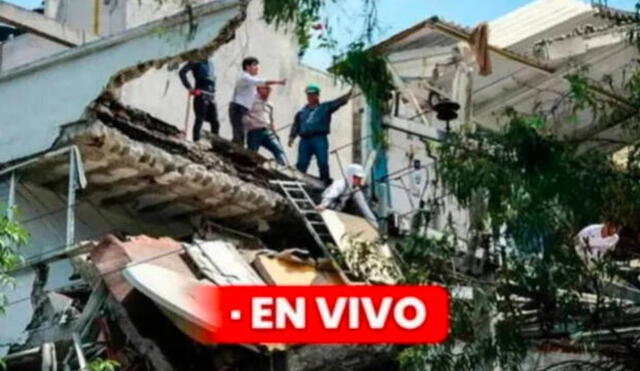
<point x="367" y="262"/>
<point x="536" y="192"/>
<point x="302" y="14"/>
<point x="12" y="236"/>
<point x="356" y="65"/>
<point x="100" y="364"/>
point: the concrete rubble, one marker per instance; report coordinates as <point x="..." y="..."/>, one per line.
<point x="131" y="158"/>
<point x="143" y="331"/>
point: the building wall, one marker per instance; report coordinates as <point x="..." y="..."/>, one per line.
<point x="72" y="80"/>
<point x="25" y="49"/>
<point x="161" y="93"/>
<point x="78" y="14"/>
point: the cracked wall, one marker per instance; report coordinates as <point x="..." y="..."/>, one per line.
<point x="62" y="86"/>
<point x="278" y="54"/>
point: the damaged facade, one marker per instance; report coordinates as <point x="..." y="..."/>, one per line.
<point x="105" y="168"/>
<point x="109" y="191"/>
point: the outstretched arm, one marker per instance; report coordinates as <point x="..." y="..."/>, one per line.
<point x="331" y="194"/>
<point x="364" y="208"/>
<point x="257" y="81"/>
<point x="341" y="101"/>
<point x="276" y="82"/>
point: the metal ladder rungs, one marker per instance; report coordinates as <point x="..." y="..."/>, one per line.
<point x="286" y="183"/>
<point x="305" y="206"/>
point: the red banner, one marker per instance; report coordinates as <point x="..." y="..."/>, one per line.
<point x="324" y="314"/>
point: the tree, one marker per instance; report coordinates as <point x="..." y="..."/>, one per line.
<point x="536" y="191"/>
<point x="12" y="236"/>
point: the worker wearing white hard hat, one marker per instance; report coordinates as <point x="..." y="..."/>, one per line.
<point x="342" y="190"/>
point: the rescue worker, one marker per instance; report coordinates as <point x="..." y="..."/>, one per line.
<point x="313" y="124"/>
<point x="596" y="240"/>
<point x="343" y="191"/>
<point x="259" y="125"/>
<point x="204" y="104"/>
<point x="244" y="94"/>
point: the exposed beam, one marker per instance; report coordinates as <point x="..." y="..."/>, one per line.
<point x="420" y="53"/>
<point x="463" y="35"/>
<point x="144" y="346"/>
<point x="580" y="45"/>
<point x="42" y="26"/>
<point x="515" y="96"/>
<point x="410" y="132"/>
<point x="405" y="89"/>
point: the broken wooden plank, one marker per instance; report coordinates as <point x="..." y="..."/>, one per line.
<point x="145" y="346"/>
<point x="91" y="310"/>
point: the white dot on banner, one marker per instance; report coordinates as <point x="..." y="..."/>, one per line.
<point x="236" y="315"/>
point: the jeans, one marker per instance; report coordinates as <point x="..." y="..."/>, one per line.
<point x="205" y="110"/>
<point x="314" y="146"/>
<point x="264" y="138"/>
<point x="236" y="113"/>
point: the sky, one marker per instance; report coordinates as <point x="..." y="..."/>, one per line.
<point x="346" y="17"/>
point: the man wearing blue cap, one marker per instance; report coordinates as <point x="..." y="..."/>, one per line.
<point x="313" y="124"/>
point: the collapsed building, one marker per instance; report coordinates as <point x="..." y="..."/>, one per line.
<point x="104" y="182"/>
<point x="101" y="166"/>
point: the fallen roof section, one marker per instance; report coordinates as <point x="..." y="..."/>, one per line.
<point x="169" y="178"/>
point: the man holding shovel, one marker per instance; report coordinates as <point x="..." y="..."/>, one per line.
<point x="204" y="105"/>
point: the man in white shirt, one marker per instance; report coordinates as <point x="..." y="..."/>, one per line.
<point x="596" y="240"/>
<point x="244" y="94"/>
<point x="260" y="128"/>
<point x="343" y="190"/>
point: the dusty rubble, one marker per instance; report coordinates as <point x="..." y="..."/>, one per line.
<point x="131" y="158"/>
<point x="147" y="331"/>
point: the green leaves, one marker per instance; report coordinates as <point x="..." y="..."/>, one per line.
<point x="580" y="92"/>
<point x="299" y="13"/>
<point x="536" y="192"/>
<point x="12" y="236"/>
<point x="356" y="65"/>
<point x="100" y="364"/>
<point x="367" y="70"/>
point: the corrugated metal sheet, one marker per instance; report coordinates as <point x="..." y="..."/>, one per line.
<point x="534" y="18"/>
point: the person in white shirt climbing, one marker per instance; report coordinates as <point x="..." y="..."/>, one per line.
<point x="341" y="191"/>
<point x="594" y="241"/>
<point x="244" y="95"/>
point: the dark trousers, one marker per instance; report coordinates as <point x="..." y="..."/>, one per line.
<point x="205" y="109"/>
<point x="314" y="146"/>
<point x="236" y="113"/>
<point x="268" y="140"/>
